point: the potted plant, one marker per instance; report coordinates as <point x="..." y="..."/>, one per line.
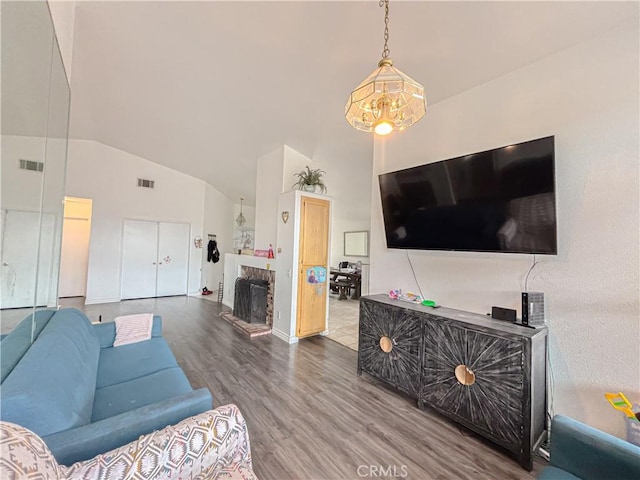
<point x="309" y="180"/>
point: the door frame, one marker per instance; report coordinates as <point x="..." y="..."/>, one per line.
<point x="84" y="200"/>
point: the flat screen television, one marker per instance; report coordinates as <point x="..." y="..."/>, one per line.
<point x="500" y="200"/>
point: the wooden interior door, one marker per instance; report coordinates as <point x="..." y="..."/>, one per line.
<point x="312" y="266"/>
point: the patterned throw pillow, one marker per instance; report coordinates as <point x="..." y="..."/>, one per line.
<point x="23" y="454"/>
<point x="212" y="445"/>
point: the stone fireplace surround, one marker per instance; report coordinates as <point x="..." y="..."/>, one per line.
<point x="269" y="276"/>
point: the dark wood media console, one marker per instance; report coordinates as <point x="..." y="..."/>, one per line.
<point x="488" y="375"/>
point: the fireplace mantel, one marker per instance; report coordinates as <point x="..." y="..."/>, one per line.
<point x="233" y="264"/>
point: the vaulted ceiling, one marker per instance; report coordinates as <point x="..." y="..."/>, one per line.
<point x="207" y="87"/>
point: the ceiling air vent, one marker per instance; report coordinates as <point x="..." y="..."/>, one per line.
<point x="145" y="183"/>
<point x="31" y="165"/>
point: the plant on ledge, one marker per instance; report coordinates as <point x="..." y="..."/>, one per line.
<point x="309" y="180"/>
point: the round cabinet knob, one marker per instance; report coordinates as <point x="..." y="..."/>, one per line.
<point x="386" y="344"/>
<point x="5" y="264"/>
<point x="464" y="375"/>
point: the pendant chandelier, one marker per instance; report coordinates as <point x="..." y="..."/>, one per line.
<point x="388" y="99"/>
<point x="240" y="220"/>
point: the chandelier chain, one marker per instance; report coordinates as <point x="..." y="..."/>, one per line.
<point x="385" y="4"/>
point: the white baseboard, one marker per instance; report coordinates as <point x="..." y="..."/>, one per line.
<point x="94" y="301"/>
<point x="283" y="336"/>
<point x="227" y="303"/>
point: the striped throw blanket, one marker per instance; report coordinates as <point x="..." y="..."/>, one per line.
<point x="133" y="328"/>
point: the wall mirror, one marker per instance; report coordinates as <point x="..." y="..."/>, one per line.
<point x="356" y="244"/>
<point x="35" y="115"/>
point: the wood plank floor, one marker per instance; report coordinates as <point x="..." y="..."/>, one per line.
<point x="309" y="415"/>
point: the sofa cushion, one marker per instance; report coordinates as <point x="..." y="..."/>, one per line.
<point x="553" y="473"/>
<point x="128" y="362"/>
<point x="14" y="345"/>
<point x="125" y="396"/>
<point x="52" y="388"/>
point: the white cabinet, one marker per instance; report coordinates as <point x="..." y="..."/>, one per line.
<point x="155" y="259"/>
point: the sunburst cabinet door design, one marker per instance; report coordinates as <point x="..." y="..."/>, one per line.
<point x="476" y="379"/>
<point x="485" y="374"/>
<point x="389" y="345"/>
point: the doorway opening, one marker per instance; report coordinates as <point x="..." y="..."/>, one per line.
<point x="349" y="281"/>
<point x="74" y="256"/>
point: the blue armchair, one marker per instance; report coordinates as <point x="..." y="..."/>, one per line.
<point x="580" y="451"/>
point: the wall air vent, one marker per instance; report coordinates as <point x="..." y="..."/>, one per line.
<point x="31" y="165"/>
<point x="145" y="183"/>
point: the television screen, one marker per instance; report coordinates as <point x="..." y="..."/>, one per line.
<point x="501" y="200"/>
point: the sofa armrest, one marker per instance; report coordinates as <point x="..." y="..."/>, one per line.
<point x="589" y="453"/>
<point x="202" y="446"/>
<point x="106" y="331"/>
<point x="90" y="440"/>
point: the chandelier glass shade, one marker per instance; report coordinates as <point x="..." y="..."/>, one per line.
<point x="387" y="100"/>
<point x="240" y="220"/>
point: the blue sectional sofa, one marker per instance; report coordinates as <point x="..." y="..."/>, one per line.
<point x="82" y="395"/>
<point x="578" y="451"/>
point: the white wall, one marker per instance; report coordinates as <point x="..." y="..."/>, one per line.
<point x="586" y="96"/>
<point x="21" y="189"/>
<point x="284" y="300"/>
<point x="218" y="221"/>
<point x="274" y="176"/>
<point x="109" y="177"/>
<point x="248" y="212"/>
<point x="294" y="162"/>
<point x="63" y="14"/>
<point x="349" y="185"/>
<point x="268" y="187"/>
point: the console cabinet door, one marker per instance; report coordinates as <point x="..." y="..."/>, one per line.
<point x="444" y="349"/>
<point x="389" y="345"/>
<point x="475" y="378"/>
<point x="496" y="398"/>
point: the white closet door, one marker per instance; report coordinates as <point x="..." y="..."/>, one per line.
<point x="139" y="259"/>
<point x="173" y="258"/>
<point x="19" y="258"/>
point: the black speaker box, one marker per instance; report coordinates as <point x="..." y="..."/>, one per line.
<point x="533" y="309"/>
<point x="500" y="313"/>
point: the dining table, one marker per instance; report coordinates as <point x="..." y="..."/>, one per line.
<point x="352" y="276"/>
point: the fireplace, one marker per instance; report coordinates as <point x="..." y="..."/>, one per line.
<point x="259" y="278"/>
<point x="250" y="300"/>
